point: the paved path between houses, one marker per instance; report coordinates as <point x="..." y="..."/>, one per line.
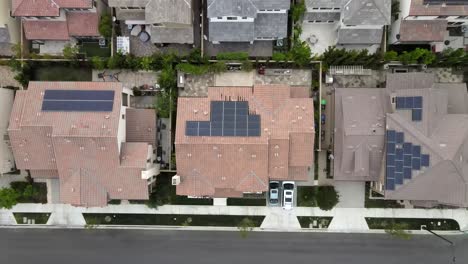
<point x="344" y="219"/>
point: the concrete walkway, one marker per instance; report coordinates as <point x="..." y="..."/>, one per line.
<point x="344" y="219"/>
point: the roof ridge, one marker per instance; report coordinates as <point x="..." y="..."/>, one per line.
<point x="255" y="176"/>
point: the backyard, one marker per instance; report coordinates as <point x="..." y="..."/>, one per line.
<point x="30" y="193"/>
<point x="92" y="49"/>
<point x="61" y="73"/>
<point x="169" y="219"/>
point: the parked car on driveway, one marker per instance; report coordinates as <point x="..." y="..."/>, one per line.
<point x="274" y="192"/>
<point x="288" y="194"/>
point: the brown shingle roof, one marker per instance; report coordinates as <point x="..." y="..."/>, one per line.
<point x="81" y="146"/>
<point x="141" y="126"/>
<point x="422" y="30"/>
<point x="46" y="30"/>
<point x="83" y="24"/>
<point x="212" y="166"/>
<point x="46" y="7"/>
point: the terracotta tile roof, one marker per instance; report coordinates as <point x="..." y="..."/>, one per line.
<point x="212" y="166"/>
<point x="423" y="30"/>
<point x="141" y="126"/>
<point x="81" y="146"/>
<point x="418" y="8"/>
<point x="35" y="8"/>
<point x="74" y="3"/>
<point x="44" y="174"/>
<point x="46" y="30"/>
<point x="83" y="24"/>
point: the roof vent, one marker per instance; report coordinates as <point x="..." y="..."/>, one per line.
<point x="72" y="189"/>
<point x="38" y="114"/>
<point x="119" y="189"/>
<point x="189" y="154"/>
<point x="103" y="126"/>
<point x="205" y="112"/>
<point x="276" y="147"/>
<point x="219" y="155"/>
<point x="223" y="178"/>
<point x="442" y="145"/>
<point x="81" y="148"/>
<point x="195" y="111"/>
<point x="149" y="129"/>
<point x="297" y="107"/>
<point x="103" y="148"/>
<point x="299" y="117"/>
<point x="215" y="147"/>
<point x="107" y="116"/>
<point x="73" y="126"/>
<point x="254" y="156"/>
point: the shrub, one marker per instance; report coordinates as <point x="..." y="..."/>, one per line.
<point x="245" y="226"/>
<point x="301" y="53"/>
<point x="391" y="56"/>
<point x="70" y="52"/>
<point x="98" y="63"/>
<point x="279" y="56"/>
<point x="193" y="69"/>
<point x="327" y="197"/>
<point x="146" y="63"/>
<point x="298" y="10"/>
<point x="247" y="66"/>
<point x="398" y="230"/>
<point x="8" y="198"/>
<point x="105" y="26"/>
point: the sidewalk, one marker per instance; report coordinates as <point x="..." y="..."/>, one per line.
<point x="344" y="219"/>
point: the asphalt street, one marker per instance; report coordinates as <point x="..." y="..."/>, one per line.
<point x="49" y="246"/>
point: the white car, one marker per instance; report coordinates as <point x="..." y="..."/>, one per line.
<point x="288" y="194"/>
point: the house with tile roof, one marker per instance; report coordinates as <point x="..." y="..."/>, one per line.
<point x="77" y="134"/>
<point x="441" y="24"/>
<point x="9" y="29"/>
<point x="51" y="24"/>
<point x="237" y="139"/>
<point x="349" y="24"/>
<point x="247" y="20"/>
<point x="166" y="21"/>
<point x="410" y="139"/>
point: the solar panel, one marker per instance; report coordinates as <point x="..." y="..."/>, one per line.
<point x="407" y="148"/>
<point x="416" y="151"/>
<point x="416" y="114"/>
<point x="253" y="132"/>
<point x="399" y="178"/>
<point x="400" y="136"/>
<point x="398" y="166"/>
<point x="400" y="102"/>
<point x="425" y="160"/>
<point x="216" y="132"/>
<point x="241" y="132"/>
<point x="390" y="147"/>
<point x="416" y="163"/>
<point x="78" y="106"/>
<point x="417" y="102"/>
<point x="409" y="102"/>
<point x="399" y="154"/>
<point x="84" y="95"/>
<point x="390" y="172"/>
<point x="390" y="184"/>
<point x="407" y="161"/>
<point x="407" y="173"/>
<point x="390" y="160"/>
<point x="391" y="135"/>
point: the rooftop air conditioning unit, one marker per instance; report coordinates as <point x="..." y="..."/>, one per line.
<point x="175" y="180"/>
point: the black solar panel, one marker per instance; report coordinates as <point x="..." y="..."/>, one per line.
<point x="390" y="160"/>
<point x="390" y="184"/>
<point x="78" y="101"/>
<point x="425" y="160"/>
<point x="416" y="115"/>
<point x="399" y="154"/>
<point x="78" y="95"/>
<point x="399" y="178"/>
<point x="400" y="137"/>
<point x="416" y="163"/>
<point x="417" y="102"/>
<point x="228" y="118"/>
<point x="400" y="102"/>
<point x="407" y="173"/>
<point x="416" y="151"/>
<point x="408" y="102"/>
<point x="407" y="148"/>
<point x="391" y="135"/>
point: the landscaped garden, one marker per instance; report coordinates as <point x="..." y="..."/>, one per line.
<point x="246" y="201"/>
<point x="169" y="219"/>
<point x="30" y="193"/>
<point x="412" y="223"/>
<point x="61" y="73"/>
<point x="314" y="221"/>
<point x="325" y="197"/>
<point x="32" y="218"/>
<point x="92" y="49"/>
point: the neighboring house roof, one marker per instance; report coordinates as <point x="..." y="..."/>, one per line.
<point x="181" y="35"/>
<point x="224" y="166"/>
<point x="367" y="12"/>
<point x="46" y="30"/>
<point x="324" y="4"/>
<point x="240" y="8"/>
<point x="129" y="14"/>
<point x="359" y="131"/>
<point x="423" y="30"/>
<point x="271" y="4"/>
<point x="422" y="8"/>
<point x="457" y="97"/>
<point x="46" y="7"/>
<point x="269" y="25"/>
<point x="322" y="16"/>
<point x="35" y="8"/>
<point x="81" y="146"/>
<point x="359" y="36"/>
<point x="128" y="3"/>
<point x="84" y="24"/>
<point x="141" y="124"/>
<point x="413" y="80"/>
<point x="231" y="31"/>
<point x="169" y="11"/>
<point x="44" y="174"/>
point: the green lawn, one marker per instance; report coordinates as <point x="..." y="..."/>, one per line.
<point x="92" y="49"/>
<point x="246" y="201"/>
<point x="167" y="219"/>
<point x="35" y="194"/>
<point x="306" y="196"/>
<point x="305" y="221"/>
<point x="61" y="73"/>
<point x="413" y="223"/>
<point x="165" y="193"/>
<point x="39" y="218"/>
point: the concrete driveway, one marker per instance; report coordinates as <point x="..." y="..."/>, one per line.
<point x="351" y="194"/>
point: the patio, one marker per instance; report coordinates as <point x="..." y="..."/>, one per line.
<point x="319" y="36"/>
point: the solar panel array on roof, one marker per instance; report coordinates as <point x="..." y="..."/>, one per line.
<point x="228" y="119"/>
<point x="413" y="103"/>
<point x="401" y="159"/>
<point x="78" y="101"/>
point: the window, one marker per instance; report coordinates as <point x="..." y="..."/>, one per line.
<point x="462" y="17"/>
<point x="244" y="17"/>
<point x="123" y="116"/>
<point x="124" y="99"/>
<point x="220" y="17"/>
<point x="157" y="24"/>
<point x="231" y="18"/>
<point x="131" y="7"/>
<point x="442" y="17"/>
<point x="123" y="7"/>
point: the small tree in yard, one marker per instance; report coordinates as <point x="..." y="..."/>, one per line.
<point x="98" y="63"/>
<point x="398" y="230"/>
<point x="327" y="197"/>
<point x="8" y="198"/>
<point x="245" y="226"/>
<point x="105" y="26"/>
<point x="70" y="51"/>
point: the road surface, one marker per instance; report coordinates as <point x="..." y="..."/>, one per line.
<point x="49" y="246"/>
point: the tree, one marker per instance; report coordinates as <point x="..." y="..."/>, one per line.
<point x="105" y="26"/>
<point x="391" y="56"/>
<point x="30" y="192"/>
<point x="245" y="226"/>
<point x="278" y="56"/>
<point x="298" y="10"/>
<point x="301" y="53"/>
<point x="398" y="230"/>
<point x="98" y="63"/>
<point x="327" y="197"/>
<point x="8" y="198"/>
<point x="70" y="51"/>
<point x="146" y="63"/>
